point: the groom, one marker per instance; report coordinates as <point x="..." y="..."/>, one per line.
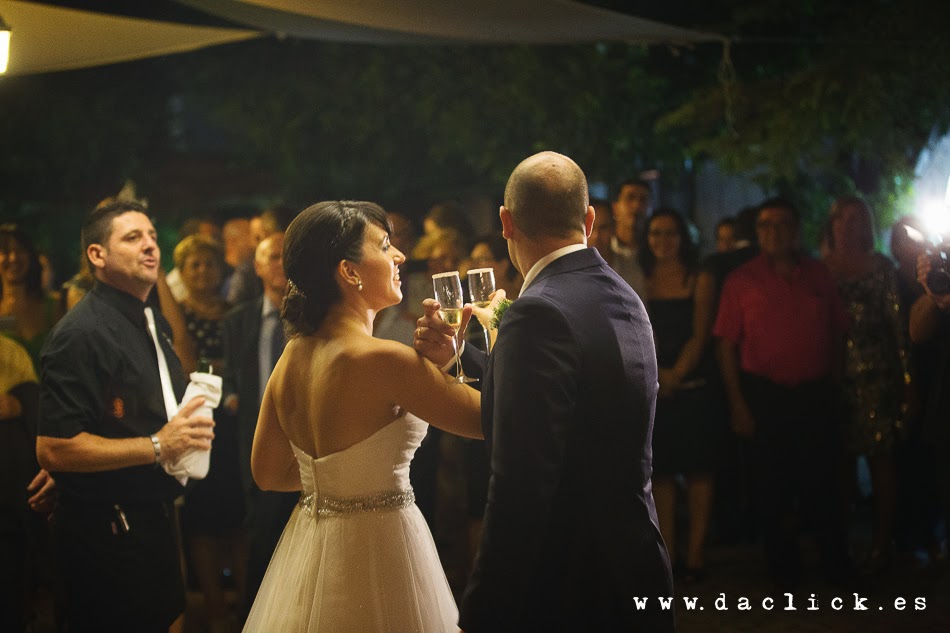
<point x="570" y="535"/>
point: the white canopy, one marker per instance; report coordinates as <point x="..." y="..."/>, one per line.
<point x="435" y="21"/>
<point x="46" y="37"/>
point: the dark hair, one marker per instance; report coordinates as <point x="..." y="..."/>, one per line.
<point x="730" y="222"/>
<point x="98" y="225"/>
<point x="498" y="246"/>
<point x="745" y="225"/>
<point x="781" y="203"/>
<point x="631" y="182"/>
<point x="448" y="214"/>
<point x="277" y="218"/>
<point x="901" y="237"/>
<point x="316" y="241"/>
<point x="604" y="213"/>
<point x="838" y="207"/>
<point x="11" y="236"/>
<point x="687" y="254"/>
<point x="192" y="226"/>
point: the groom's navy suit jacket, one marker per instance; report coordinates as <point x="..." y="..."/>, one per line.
<point x="570" y="533"/>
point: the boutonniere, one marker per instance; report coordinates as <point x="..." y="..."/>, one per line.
<point x="500" y="310"/>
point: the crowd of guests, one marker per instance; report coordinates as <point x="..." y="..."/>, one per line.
<point x="777" y="371"/>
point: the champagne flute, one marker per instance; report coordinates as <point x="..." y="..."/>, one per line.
<point x="481" y="283"/>
<point x="448" y="292"/>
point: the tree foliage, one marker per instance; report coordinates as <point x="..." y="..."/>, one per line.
<point x="343" y="120"/>
<point x="310" y="120"/>
<point x="830" y="98"/>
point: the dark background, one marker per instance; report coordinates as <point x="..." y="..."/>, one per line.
<point x="821" y="98"/>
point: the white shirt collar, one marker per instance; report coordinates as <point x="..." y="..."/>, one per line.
<point x="622" y="249"/>
<point x="547" y="259"/>
<point x="267" y="307"/>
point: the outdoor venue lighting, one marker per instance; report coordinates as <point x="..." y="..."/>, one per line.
<point x="935" y="214"/>
<point x="4" y="45"/>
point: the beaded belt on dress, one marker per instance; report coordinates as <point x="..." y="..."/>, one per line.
<point x="333" y="506"/>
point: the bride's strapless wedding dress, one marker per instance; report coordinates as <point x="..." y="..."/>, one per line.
<point x="356" y="555"/>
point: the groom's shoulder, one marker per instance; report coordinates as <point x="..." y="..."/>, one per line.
<point x="566" y="297"/>
<point x="581" y="283"/>
<point x="540" y="299"/>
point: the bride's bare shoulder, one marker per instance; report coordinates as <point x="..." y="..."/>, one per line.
<point x="367" y="356"/>
<point x="380" y="356"/>
<point x="375" y="350"/>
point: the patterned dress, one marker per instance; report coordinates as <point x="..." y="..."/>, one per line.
<point x="876" y="363"/>
<point x="214" y="506"/>
<point x="207" y="336"/>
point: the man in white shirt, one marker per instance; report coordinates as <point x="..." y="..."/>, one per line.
<point x="631" y="206"/>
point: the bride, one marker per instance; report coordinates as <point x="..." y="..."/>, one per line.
<point x="339" y="422"/>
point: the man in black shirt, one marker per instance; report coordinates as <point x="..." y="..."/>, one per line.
<point x="106" y="426"/>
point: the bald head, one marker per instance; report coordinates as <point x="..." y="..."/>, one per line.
<point x="269" y="265"/>
<point x="547" y="196"/>
<point x="236" y="236"/>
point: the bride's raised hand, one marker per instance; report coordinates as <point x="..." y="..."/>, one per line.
<point x="432" y="337"/>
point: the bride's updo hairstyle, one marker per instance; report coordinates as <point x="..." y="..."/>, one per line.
<point x="315" y="243"/>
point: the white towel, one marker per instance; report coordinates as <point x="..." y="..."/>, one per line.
<point x="195" y="463"/>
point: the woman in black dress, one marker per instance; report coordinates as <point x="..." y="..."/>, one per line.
<point x="688" y="422"/>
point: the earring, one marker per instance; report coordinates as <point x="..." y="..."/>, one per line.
<point x="359" y="284"/>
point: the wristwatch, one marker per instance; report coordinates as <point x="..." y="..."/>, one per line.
<point x="157" y="446"/>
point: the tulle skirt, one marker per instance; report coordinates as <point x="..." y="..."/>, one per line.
<point x="355" y="573"/>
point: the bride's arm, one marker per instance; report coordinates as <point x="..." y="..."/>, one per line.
<point x="272" y="459"/>
<point x="421" y="388"/>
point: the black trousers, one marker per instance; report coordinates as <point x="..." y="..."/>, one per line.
<point x="424" y="475"/>
<point x="118" y="579"/>
<point x="796" y="460"/>
<point x="13" y="572"/>
<point x="267" y="515"/>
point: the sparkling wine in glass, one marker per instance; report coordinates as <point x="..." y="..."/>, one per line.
<point x="448" y="292"/>
<point x="481" y="283"/>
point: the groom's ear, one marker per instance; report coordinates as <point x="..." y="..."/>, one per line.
<point x="589" y="218"/>
<point x="507" y="222"/>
